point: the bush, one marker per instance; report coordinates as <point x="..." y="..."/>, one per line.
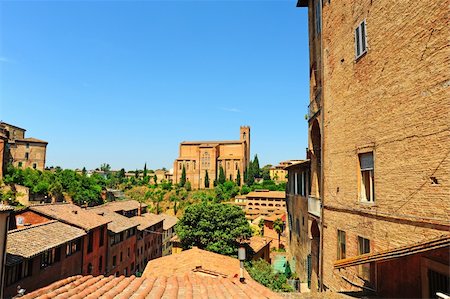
<point x="262" y="272"/>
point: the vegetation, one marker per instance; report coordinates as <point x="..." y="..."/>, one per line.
<point x="206" y="179"/>
<point x="213" y="226"/>
<point x="278" y="226"/>
<point x="183" y="177"/>
<point x="262" y="272"/>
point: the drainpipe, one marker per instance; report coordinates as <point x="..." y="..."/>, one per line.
<point x="322" y="147"/>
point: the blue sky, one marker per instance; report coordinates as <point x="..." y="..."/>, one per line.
<point x="123" y="82"/>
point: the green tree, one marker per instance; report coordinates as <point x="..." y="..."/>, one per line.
<point x="222" y="178"/>
<point x="238" y="178"/>
<point x="105" y="167"/>
<point x="265" y="172"/>
<point x="262" y="272"/>
<point x="155" y="179"/>
<point x="145" y="170"/>
<point x="261" y="227"/>
<point x="206" y="179"/>
<point x="188" y="186"/>
<point x="83" y="171"/>
<point x="136" y="174"/>
<point x="156" y="196"/>
<point x="214" y="227"/>
<point x="278" y="226"/>
<point x="183" y="177"/>
<point x="256" y="169"/>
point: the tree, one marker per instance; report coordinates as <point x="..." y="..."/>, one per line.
<point x="222" y="178"/>
<point x="265" y="172"/>
<point x="156" y="196"/>
<point x="214" y="227"/>
<point x="250" y="175"/>
<point x="155" y="179"/>
<point x="83" y="171"/>
<point x="188" y="186"/>
<point x="136" y="174"/>
<point x="206" y="179"/>
<point x="261" y="226"/>
<point x="238" y="178"/>
<point x="121" y="175"/>
<point x="278" y="226"/>
<point x="262" y="272"/>
<point x="256" y="169"/>
<point x="105" y="167"/>
<point x="183" y="177"/>
<point x="145" y="170"/>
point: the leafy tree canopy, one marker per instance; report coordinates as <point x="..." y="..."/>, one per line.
<point x="214" y="227"/>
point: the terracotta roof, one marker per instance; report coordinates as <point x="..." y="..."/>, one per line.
<point x="191" y="259"/>
<point x="267" y="194"/>
<point x="297" y="164"/>
<point x="118" y="223"/>
<point x="169" y="221"/>
<point x="124" y="205"/>
<point x="257" y="243"/>
<point x="33" y="240"/>
<point x="5" y="123"/>
<point x="30" y="139"/>
<point x="146" y="220"/>
<point x="275" y="216"/>
<point x="71" y="214"/>
<point x="180" y="286"/>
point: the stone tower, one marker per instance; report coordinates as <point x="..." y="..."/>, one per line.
<point x="245" y="135"/>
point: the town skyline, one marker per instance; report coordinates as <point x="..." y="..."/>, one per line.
<point x="129" y="93"/>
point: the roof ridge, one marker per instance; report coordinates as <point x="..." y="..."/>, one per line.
<point x="33" y="226"/>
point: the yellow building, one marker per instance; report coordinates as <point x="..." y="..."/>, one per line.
<point x="199" y="157"/>
<point x="21" y="151"/>
<point x="278" y="173"/>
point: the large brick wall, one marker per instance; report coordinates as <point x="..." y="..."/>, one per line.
<point x="393" y="101"/>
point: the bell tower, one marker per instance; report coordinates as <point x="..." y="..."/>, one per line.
<point x="245" y="136"/>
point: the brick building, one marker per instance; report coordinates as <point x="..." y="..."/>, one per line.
<point x="378" y="145"/>
<point x="168" y="233"/>
<point x="40" y="254"/>
<point x="264" y="203"/>
<point x="94" y="243"/>
<point x="299" y="241"/>
<point x="23" y="151"/>
<point x="121" y="252"/>
<point x="199" y="157"/>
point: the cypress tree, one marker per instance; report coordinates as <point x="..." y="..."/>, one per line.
<point x="222" y="178"/>
<point x="145" y="169"/>
<point x="206" y="179"/>
<point x="183" y="177"/>
<point x="256" y="169"/>
<point x="238" y="178"/>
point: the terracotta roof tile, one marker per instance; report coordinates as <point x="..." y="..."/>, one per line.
<point x="118" y="223"/>
<point x="146" y="220"/>
<point x="31" y="240"/>
<point x="124" y="205"/>
<point x="267" y="194"/>
<point x="169" y="221"/>
<point x="30" y="139"/>
<point x="71" y="214"/>
<point x="194" y="260"/>
<point x="175" y="286"/>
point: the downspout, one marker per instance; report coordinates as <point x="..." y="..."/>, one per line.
<point x="322" y="146"/>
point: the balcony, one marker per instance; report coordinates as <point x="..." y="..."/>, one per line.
<point x="314" y="206"/>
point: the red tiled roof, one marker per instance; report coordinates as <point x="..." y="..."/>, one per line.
<point x="182" y="286"/>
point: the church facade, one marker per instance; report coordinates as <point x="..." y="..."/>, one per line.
<point x="201" y="157"/>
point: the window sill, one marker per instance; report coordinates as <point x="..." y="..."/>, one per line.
<point x="360" y="56"/>
<point x="367" y="203"/>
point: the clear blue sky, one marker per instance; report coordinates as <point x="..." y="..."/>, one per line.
<point x="123" y="82"/>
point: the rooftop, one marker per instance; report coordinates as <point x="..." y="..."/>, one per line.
<point x="32" y="240"/>
<point x="124" y="205"/>
<point x="267" y="194"/>
<point x="30" y="139"/>
<point x="257" y="243"/>
<point x="179" y="286"/>
<point x="169" y="221"/>
<point x="71" y="214"/>
<point x="189" y="260"/>
<point x="216" y="142"/>
<point x="146" y="220"/>
<point x="118" y="223"/>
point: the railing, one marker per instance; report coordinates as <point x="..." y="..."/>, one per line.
<point x="314" y="105"/>
<point x="314" y="206"/>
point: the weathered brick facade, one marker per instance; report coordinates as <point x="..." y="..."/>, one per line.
<point x="392" y="102"/>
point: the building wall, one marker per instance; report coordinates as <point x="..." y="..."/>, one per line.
<point x="278" y="174"/>
<point x="3" y="155"/>
<point x="36" y="152"/>
<point x="93" y="258"/>
<point x="377" y="104"/>
<point x="66" y="267"/>
<point x="126" y="248"/>
<point x="166" y="244"/>
<point x="149" y="245"/>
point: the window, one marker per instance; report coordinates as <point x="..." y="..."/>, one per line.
<point x="128" y="252"/>
<point x="194" y="164"/>
<point x="296" y="183"/>
<point x="19" y="164"/>
<point x="90" y="241"/>
<point x="121" y="256"/>
<point x="132" y="267"/>
<point x="73" y="246"/>
<point x="125" y="272"/>
<point x="89" y="268"/>
<point x="318" y="17"/>
<point x="17" y="272"/>
<point x="360" y="39"/>
<point x="28" y="145"/>
<point x="114" y="262"/>
<point x="50" y="257"/>
<point x="27" y="156"/>
<point x="34" y="165"/>
<point x="100" y="264"/>
<point x="363" y="248"/>
<point x="206" y="160"/>
<point x="179" y="165"/>
<point x="340" y="244"/>
<point x="367" y="177"/>
<point x="187" y="165"/>
<point x="102" y="236"/>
